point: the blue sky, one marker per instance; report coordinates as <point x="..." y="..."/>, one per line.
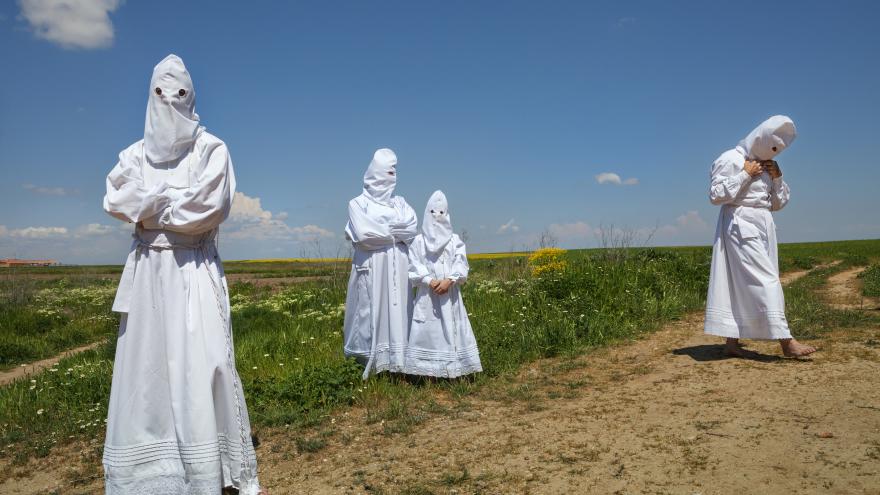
<point x="512" y="108"/>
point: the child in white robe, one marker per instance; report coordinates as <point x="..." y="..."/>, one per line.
<point x="745" y="297"/>
<point x="177" y="420"/>
<point x="380" y="225"/>
<point x="441" y="340"/>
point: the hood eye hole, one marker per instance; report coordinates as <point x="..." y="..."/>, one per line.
<point x="432" y="211"/>
<point x="182" y="92"/>
<point x="158" y="91"/>
<point x="774" y="148"/>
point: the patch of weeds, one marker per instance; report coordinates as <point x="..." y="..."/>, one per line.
<point x="871" y="281"/>
<point x="310" y="445"/>
<point x="417" y="489"/>
<point x="454" y="479"/>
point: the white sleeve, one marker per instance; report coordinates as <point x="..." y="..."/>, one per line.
<point x="779" y="194"/>
<point x="206" y="204"/>
<point x="418" y="269"/>
<point x="407" y="226"/>
<point x="460" y="267"/>
<point x="364" y="230"/>
<point x="127" y="198"/>
<point x="728" y="181"/>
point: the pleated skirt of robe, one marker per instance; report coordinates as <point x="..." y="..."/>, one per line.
<point x="745" y="298"/>
<point x="441" y="340"/>
<point x="377" y="309"/>
<point x="177" y="421"/>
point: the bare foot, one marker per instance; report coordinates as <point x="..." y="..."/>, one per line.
<point x="733" y="348"/>
<point x="793" y="348"/>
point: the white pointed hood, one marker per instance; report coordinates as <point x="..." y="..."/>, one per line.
<point x="769" y="139"/>
<point x="437" y="224"/>
<point x="172" y="123"/>
<point x="381" y="176"/>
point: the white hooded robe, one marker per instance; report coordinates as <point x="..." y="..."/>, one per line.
<point x="441" y="340"/>
<point x="745" y="298"/>
<point x="377" y="305"/>
<point x="177" y="421"/>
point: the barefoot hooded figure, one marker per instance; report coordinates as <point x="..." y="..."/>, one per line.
<point x="441" y="341"/>
<point x="177" y="420"/>
<point x="745" y="297"/>
<point x="380" y="226"/>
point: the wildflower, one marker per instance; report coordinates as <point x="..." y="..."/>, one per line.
<point x="39" y="412"/>
<point x="265" y="355"/>
<point x="255" y="367"/>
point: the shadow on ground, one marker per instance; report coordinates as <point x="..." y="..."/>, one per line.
<point x="715" y="352"/>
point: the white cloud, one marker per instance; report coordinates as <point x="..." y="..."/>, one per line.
<point x="81" y="24"/>
<point x="571" y="231"/>
<point x="50" y="191"/>
<point x="612" y="178"/>
<point x="508" y="227"/>
<point x="36" y="232"/>
<point x="96" y="229"/>
<point x="625" y="21"/>
<point x="248" y="220"/>
<point x="688" y="228"/>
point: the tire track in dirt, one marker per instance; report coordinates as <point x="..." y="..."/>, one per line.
<point x="843" y="291"/>
<point x="25" y="370"/>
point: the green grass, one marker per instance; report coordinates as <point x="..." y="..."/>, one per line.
<point x="808" y="315"/>
<point x="41" y="318"/>
<point x="288" y="340"/>
<point x="871" y="281"/>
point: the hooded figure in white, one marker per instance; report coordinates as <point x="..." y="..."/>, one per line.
<point x="441" y="340"/>
<point x="177" y="420"/>
<point x="745" y="297"/>
<point x="380" y="226"/>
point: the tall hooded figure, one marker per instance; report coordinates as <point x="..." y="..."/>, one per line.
<point x="380" y="227"/>
<point x="441" y="341"/>
<point x="745" y="297"/>
<point x="177" y="420"/>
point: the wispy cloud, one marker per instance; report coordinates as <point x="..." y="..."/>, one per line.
<point x="612" y="178"/>
<point x="624" y="22"/>
<point x="509" y="227"/>
<point x="34" y="232"/>
<point x="575" y="231"/>
<point x="50" y="191"/>
<point x="77" y="24"/>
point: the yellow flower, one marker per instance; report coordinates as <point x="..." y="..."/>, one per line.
<point x="547" y="261"/>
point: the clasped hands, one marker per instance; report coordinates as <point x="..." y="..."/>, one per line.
<point x="441" y="286"/>
<point x="755" y="168"/>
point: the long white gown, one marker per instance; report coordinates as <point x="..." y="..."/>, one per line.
<point x="745" y="298"/>
<point x="441" y="340"/>
<point x="177" y="420"/>
<point x="377" y="305"/>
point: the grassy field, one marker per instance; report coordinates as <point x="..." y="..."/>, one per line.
<point x="288" y="338"/>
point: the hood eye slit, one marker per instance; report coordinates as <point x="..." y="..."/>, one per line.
<point x="158" y="91"/>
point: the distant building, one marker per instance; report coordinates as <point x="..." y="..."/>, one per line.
<point x="11" y="262"/>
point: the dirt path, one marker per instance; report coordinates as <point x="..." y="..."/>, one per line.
<point x="844" y="291"/>
<point x="665" y="414"/>
<point x="10" y="376"/>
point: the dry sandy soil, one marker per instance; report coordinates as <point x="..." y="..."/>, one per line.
<point x="666" y="414"/>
